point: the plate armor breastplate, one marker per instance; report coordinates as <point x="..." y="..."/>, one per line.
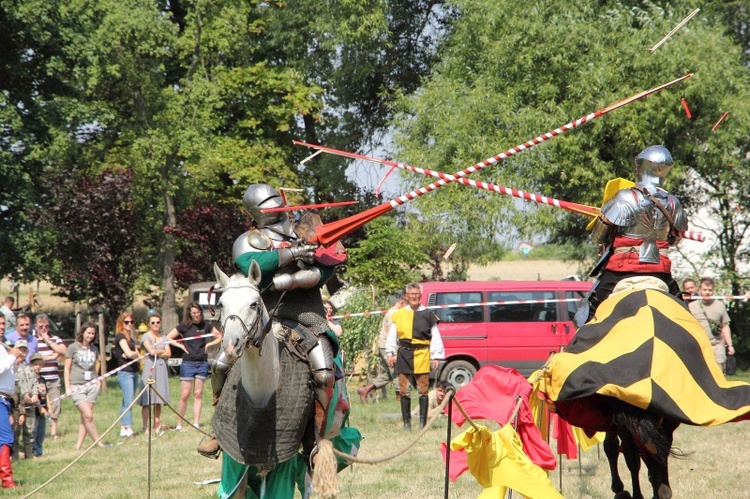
<point x="637" y="217"/>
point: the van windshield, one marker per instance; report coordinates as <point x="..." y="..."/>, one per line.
<point x="524" y="312"/>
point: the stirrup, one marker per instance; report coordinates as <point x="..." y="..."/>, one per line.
<point x="211" y="455"/>
<point x="314" y="451"/>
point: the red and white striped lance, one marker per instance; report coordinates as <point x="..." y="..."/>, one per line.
<point x="567" y="205"/>
<point x="327" y="234"/>
<point x="463" y="305"/>
<point x="116" y="370"/>
<point x="582" y="209"/>
<point x="693" y="236"/>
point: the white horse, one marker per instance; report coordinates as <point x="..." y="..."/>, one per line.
<point x="244" y="320"/>
<point x="267" y="401"/>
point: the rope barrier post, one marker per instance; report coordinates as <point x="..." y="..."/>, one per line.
<point x="102" y="353"/>
<point x="448" y="444"/>
<point x="150" y="385"/>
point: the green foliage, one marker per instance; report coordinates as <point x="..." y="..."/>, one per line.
<point x="546" y="252"/>
<point x="514" y="71"/>
<point x="387" y="258"/>
<point x="360" y="332"/>
<point x="199" y="99"/>
<point x="93" y="256"/>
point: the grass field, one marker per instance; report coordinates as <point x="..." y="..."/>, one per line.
<point x="716" y="468"/>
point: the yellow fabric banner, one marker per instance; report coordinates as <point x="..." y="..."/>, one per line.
<point x="497" y="461"/>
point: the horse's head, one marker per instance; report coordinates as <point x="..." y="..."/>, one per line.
<point x="243" y="314"/>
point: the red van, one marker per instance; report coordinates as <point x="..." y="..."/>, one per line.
<point x="520" y="336"/>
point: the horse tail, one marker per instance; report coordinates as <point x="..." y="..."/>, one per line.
<point x="647" y="431"/>
<point x="325" y="482"/>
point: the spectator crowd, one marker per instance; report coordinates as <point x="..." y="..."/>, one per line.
<point x="31" y="391"/>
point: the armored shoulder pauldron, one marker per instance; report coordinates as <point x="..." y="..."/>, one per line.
<point x="258" y="240"/>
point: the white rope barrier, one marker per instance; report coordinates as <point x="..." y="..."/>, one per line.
<point x="114" y="371"/>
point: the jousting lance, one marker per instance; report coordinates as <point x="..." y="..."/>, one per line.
<point x="328" y="234"/>
<point x="307" y="206"/>
<point x="581" y="209"/>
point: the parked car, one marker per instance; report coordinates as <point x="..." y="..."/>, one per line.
<point x="520" y="336"/>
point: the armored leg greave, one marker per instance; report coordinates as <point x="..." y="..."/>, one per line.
<point x="321" y="364"/>
<point x="220" y="366"/>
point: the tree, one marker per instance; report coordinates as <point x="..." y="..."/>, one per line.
<point x="206" y="234"/>
<point x="387" y="258"/>
<point x="89" y="235"/>
<point x="512" y="72"/>
<point x="199" y="98"/>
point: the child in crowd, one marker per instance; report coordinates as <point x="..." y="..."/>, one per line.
<point x="27" y="390"/>
<point x="42" y="409"/>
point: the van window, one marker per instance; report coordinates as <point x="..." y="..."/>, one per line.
<point x="458" y="314"/>
<point x="525" y="312"/>
<point x="573" y="306"/>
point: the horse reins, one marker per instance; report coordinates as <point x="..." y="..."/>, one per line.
<point x="266" y="327"/>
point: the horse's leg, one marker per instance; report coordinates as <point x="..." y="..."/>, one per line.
<point x="612" y="451"/>
<point x="633" y="461"/>
<point x="658" y="463"/>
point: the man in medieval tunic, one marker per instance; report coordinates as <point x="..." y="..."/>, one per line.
<point x="637" y="227"/>
<point x="414" y="347"/>
<point x="291" y="278"/>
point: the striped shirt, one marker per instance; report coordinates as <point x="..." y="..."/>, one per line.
<point x="49" y="368"/>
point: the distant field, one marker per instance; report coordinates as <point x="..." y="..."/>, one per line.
<point x="43" y="292"/>
<point x="524" y="270"/>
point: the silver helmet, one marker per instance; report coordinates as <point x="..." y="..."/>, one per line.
<point x="262" y="196"/>
<point x="652" y="165"/>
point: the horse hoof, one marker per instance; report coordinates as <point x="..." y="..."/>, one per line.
<point x="664" y="492"/>
<point x="618" y="487"/>
<point x="623" y="495"/>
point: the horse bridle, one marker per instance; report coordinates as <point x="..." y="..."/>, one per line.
<point x="266" y="327"/>
<point x="257" y="342"/>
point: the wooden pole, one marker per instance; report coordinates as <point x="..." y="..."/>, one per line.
<point x="102" y="352"/>
<point x="448" y="443"/>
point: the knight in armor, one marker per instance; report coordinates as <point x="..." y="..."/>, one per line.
<point x="637" y="226"/>
<point x="290" y="283"/>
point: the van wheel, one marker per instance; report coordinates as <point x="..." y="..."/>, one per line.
<point x="458" y="373"/>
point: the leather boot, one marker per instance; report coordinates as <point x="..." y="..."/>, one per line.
<point x="364" y="391"/>
<point x="424" y="405"/>
<point x="210" y="449"/>
<point x="406" y="412"/>
<point x="6" y="469"/>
